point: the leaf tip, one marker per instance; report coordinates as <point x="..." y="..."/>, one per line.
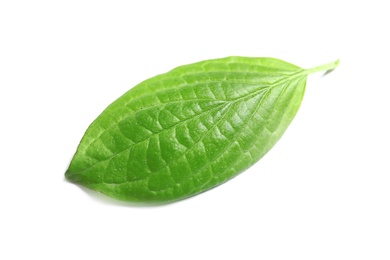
<point x="72" y="177"/>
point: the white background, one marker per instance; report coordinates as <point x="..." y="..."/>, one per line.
<point x="323" y="192"/>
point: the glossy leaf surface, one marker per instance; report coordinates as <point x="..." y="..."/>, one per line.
<point x="183" y="132"/>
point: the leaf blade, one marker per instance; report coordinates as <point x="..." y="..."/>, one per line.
<point x="186" y="131"/>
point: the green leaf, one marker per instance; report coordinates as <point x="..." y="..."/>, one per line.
<point x="186" y="131"/>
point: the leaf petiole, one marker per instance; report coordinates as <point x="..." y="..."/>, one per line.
<point x="326" y="67"/>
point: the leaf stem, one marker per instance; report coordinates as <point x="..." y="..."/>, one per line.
<point x="326" y="67"/>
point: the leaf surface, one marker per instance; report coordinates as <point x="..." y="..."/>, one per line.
<point x="183" y="132"/>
